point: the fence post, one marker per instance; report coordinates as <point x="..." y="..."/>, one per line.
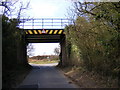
<point x="42" y="23"/>
<point x="23" y="23"/>
<point x="61" y="23"/>
<point x="52" y="22"/>
<point x="32" y="23"/>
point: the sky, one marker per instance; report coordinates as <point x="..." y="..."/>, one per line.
<point x="44" y="48"/>
<point x="47" y="9"/>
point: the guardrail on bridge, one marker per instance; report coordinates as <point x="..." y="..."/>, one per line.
<point x="44" y="23"/>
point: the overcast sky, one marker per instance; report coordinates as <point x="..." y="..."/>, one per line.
<point x="49" y="8"/>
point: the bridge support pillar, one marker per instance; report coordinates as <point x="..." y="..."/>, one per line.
<point x="63" y="55"/>
<point x="22" y="52"/>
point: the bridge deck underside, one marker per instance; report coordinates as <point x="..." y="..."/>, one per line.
<point x="44" y="38"/>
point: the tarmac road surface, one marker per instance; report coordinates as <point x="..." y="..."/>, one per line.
<point x="46" y="76"/>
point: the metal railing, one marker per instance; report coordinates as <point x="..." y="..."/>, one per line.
<point x="44" y="23"/>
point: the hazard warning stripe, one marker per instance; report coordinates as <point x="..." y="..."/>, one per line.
<point x="35" y="32"/>
<point x="46" y="32"/>
<point x="26" y="32"/>
<point x="40" y="32"/>
<point x="50" y="31"/>
<point x="30" y="32"/>
<point x="60" y="32"/>
<point x="55" y="31"/>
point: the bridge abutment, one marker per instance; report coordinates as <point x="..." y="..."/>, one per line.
<point x="22" y="51"/>
<point x="43" y="34"/>
<point x="63" y="54"/>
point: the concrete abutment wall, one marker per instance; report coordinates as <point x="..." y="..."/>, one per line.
<point x="22" y="51"/>
<point x="63" y="54"/>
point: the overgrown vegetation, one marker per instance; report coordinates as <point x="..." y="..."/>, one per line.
<point x="14" y="67"/>
<point x="93" y="41"/>
<point x="11" y="37"/>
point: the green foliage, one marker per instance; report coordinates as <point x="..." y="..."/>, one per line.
<point x="94" y="38"/>
<point x="11" y="36"/>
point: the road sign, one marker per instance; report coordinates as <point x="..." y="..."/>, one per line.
<point x="43" y="31"/>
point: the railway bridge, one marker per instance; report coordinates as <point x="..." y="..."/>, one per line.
<point x="45" y="30"/>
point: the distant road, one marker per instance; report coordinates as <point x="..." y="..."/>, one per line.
<point x="46" y="76"/>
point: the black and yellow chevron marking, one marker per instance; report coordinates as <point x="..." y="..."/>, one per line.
<point x="55" y="31"/>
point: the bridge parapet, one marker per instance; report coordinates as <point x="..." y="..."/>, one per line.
<point x="44" y="23"/>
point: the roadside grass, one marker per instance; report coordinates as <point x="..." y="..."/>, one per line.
<point x="44" y="61"/>
<point x="86" y="79"/>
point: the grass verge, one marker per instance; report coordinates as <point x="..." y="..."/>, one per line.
<point x="86" y="79"/>
<point x="42" y="61"/>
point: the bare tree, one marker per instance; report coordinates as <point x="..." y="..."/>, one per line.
<point x="7" y="7"/>
<point x="30" y="50"/>
<point x="57" y="51"/>
<point x="22" y="8"/>
<point x="14" y="8"/>
<point x="83" y="8"/>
